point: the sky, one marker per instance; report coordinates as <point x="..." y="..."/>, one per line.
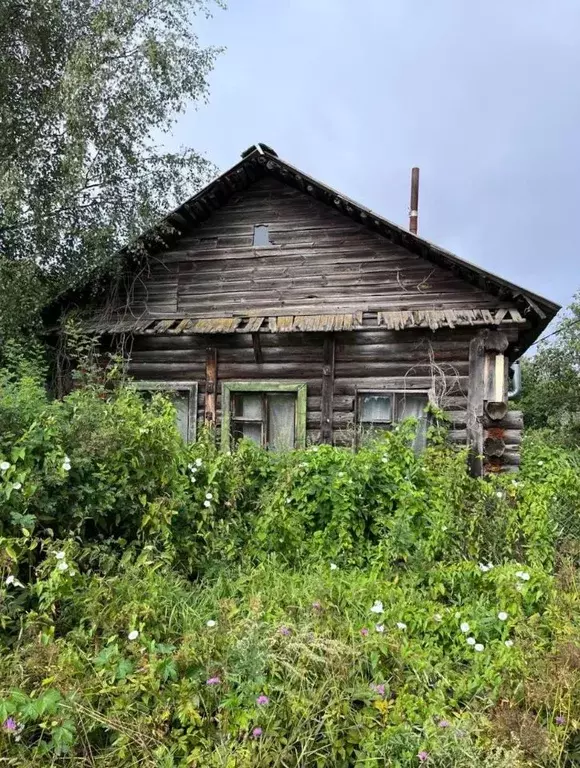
<point x="482" y="95"/>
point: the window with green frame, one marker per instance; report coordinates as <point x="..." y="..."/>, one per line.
<point x="271" y="413"/>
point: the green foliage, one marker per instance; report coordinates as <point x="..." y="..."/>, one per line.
<point x="551" y="381"/>
<point x="119" y="543"/>
<point x="87" y="89"/>
<point x="125" y="667"/>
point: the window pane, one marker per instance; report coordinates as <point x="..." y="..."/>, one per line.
<point x="409" y="405"/>
<point x="376" y="408"/>
<point x="248" y="405"/>
<point x="249" y="431"/>
<point x="181" y="403"/>
<point x="281" y="417"/>
<point x="261" y="236"/>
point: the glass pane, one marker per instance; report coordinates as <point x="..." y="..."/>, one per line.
<point x="409" y="405"/>
<point x="181" y="403"/>
<point x="248" y="405"/>
<point x="261" y="235"/>
<point x="376" y="408"/>
<point x="281" y="417"/>
<point x="251" y="431"/>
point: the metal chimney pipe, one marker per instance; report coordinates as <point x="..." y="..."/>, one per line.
<point x="414" y="212"/>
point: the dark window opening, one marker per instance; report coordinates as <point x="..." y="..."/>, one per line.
<point x="261" y="235"/>
<point x="267" y="418"/>
<point x="379" y="410"/>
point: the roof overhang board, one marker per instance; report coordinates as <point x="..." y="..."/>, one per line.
<point x="388" y="320"/>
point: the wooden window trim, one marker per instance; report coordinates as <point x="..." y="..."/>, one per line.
<point x="231" y="387"/>
<point x="176" y="386"/>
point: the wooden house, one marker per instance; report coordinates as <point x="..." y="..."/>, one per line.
<point x="278" y="309"/>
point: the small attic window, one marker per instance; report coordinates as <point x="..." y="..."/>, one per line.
<point x="261" y="236"/>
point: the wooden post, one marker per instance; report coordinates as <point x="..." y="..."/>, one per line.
<point x="257" y="345"/>
<point x="210" y="387"/>
<point x="327" y="390"/>
<point x="475" y="402"/>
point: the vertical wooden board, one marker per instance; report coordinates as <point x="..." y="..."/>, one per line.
<point x="475" y="401"/>
<point x="327" y="389"/>
<point x="210" y="387"/>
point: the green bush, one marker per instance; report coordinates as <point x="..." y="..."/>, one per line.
<point x="105" y="464"/>
<point x="119" y="543"/>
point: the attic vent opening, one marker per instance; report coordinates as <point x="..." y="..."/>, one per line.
<point x="261" y="235"/>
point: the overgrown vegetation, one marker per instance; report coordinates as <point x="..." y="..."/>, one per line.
<point x="551" y="382"/>
<point x="167" y="605"/>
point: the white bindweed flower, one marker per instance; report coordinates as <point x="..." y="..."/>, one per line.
<point x="191" y="467"/>
<point x="499" y="494"/>
<point x="288" y="500"/>
<point x="509" y="643"/>
<point x="464" y="626"/>
<point x="523" y="575"/>
<point x="471" y="641"/>
<point x="519" y="587"/>
<point x="333" y="566"/>
<point x="4" y="466"/>
<point x="483" y="568"/>
<point x="62" y="566"/>
<point x="377" y="607"/>
<point x="66" y="466"/>
<point x="211" y="623"/>
<point x="17" y="486"/>
<point x="438" y="617"/>
<point x="192" y="479"/>
<point x="540" y="463"/>
<point x="478" y="647"/>
<point x="60" y="555"/>
<point x="133" y="634"/>
<point x="12" y="580"/>
<point x="385" y="459"/>
<point x="209" y="496"/>
<point x="341" y="474"/>
<point x="502" y="615"/>
<point x="198" y="462"/>
<point x="207" y="503"/>
<point x="401" y="625"/>
<point x="380" y="627"/>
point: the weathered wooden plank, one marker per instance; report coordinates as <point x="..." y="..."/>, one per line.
<point x="327" y="390"/>
<point x="211" y="377"/>
<point x="258" y="356"/>
<point x="475" y="399"/>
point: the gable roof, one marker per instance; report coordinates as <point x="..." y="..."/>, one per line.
<point x="260" y="161"/>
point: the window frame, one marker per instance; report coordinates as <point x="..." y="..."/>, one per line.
<point x="230" y="388"/>
<point x="361" y="391"/>
<point x="191" y="387"/>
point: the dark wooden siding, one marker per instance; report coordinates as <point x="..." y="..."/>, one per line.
<point x="319" y="261"/>
<point x="399" y="360"/>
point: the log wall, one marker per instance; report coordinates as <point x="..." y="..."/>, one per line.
<point x="378" y="359"/>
